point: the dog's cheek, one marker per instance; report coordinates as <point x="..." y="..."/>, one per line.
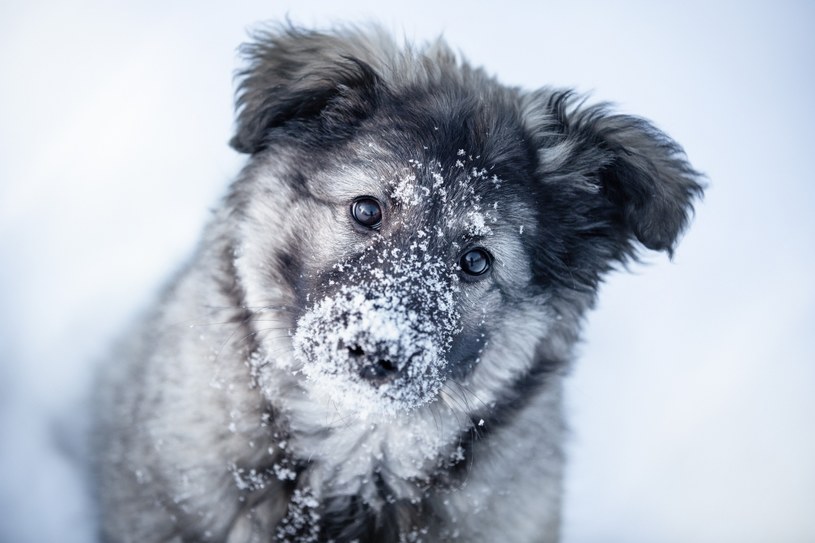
<point x="278" y="239"/>
<point x="476" y="309"/>
<point x="325" y="241"/>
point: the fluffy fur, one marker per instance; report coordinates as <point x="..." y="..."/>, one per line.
<point x="306" y="378"/>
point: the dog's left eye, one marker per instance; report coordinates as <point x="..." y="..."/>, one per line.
<point x="367" y="212"/>
<point x="475" y="262"/>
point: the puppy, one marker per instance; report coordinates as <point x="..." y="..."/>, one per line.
<point x="370" y="342"/>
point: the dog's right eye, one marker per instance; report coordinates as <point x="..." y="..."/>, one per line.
<point x="367" y="212"/>
<point x="475" y="262"/>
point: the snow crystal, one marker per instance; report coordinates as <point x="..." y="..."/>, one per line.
<point x="250" y="479"/>
<point x="283" y="473"/>
<point x="404" y="190"/>
<point x="477" y="224"/>
<point x="458" y="455"/>
<point x="301" y="523"/>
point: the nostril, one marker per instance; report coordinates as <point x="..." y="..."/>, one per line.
<point x="380" y="371"/>
<point x="370" y="366"/>
<point x="356" y="351"/>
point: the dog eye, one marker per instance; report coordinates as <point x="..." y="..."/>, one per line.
<point x="475" y="262"/>
<point x="367" y="212"/>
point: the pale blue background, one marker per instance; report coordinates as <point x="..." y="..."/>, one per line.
<point x="692" y="406"/>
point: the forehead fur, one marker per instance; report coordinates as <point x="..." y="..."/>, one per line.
<point x="599" y="182"/>
<point x="346" y="75"/>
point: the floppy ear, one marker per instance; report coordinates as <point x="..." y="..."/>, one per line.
<point x="649" y="178"/>
<point x="636" y="178"/>
<point x="293" y="75"/>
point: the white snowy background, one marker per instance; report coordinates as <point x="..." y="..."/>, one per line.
<point x="693" y="405"/>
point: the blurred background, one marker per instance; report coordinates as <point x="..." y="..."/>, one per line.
<point x="692" y="406"/>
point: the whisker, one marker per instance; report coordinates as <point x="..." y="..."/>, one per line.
<point x="464" y="388"/>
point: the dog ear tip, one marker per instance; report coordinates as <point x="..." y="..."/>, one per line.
<point x="238" y="145"/>
<point x="660" y="242"/>
<point x="242" y="146"/>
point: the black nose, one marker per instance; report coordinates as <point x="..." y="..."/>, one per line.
<point x="373" y="367"/>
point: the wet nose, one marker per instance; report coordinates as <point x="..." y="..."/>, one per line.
<point x="374" y="367"/>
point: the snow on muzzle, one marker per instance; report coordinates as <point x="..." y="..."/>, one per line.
<point x="380" y="347"/>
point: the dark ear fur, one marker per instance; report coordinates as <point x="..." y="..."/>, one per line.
<point x="649" y="179"/>
<point x="619" y="161"/>
<point x="293" y="75"/>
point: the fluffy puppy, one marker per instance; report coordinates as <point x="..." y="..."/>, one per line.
<point x="370" y="341"/>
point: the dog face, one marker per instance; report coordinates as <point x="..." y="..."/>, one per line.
<point x="417" y="272"/>
<point x="409" y="250"/>
<point x="426" y="209"/>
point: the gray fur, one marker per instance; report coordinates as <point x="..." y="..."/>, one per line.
<point x="236" y="412"/>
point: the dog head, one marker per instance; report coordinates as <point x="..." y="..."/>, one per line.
<point x="408" y="225"/>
